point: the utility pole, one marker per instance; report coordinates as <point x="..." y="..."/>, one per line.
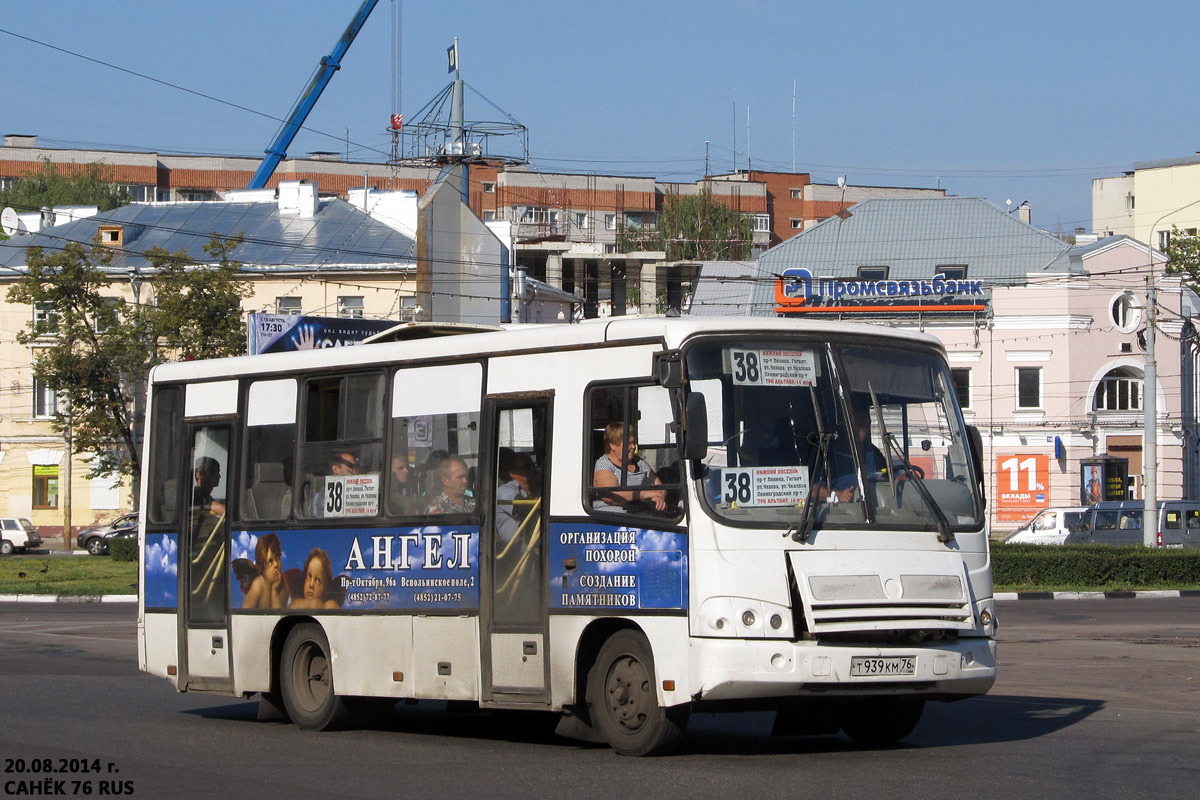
<point x="1150" y="398"/>
<point x="66" y="488"/>
<point x="1150" y="422"/>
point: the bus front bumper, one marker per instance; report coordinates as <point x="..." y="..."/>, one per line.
<point x="732" y="669"/>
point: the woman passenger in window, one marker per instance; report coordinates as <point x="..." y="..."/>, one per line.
<point x="268" y="590"/>
<point x="622" y="466"/>
<point x="318" y="582"/>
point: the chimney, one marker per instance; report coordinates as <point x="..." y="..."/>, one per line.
<point x="298" y="197"/>
<point x="1023" y="212"/>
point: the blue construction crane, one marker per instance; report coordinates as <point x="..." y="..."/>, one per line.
<point x="291" y="126"/>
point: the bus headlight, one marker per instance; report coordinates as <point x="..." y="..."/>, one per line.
<point x="741" y="617"/>
<point x="985" y="613"/>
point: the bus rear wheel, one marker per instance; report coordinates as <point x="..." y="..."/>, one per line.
<point x="306" y="681"/>
<point x="881" y="720"/>
<point x="623" y="699"/>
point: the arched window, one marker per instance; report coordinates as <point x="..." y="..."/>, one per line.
<point x="1119" y="390"/>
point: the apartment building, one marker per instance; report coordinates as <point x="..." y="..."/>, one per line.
<point x="1147" y="201"/>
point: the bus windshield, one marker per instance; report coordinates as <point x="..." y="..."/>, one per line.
<point x="812" y="435"/>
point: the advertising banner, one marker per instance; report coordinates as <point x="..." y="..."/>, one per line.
<point x="433" y="567"/>
<point x="420" y="569"/>
<point x="612" y="567"/>
<point x="281" y="333"/>
<point x="1022" y="486"/>
<point x="1103" y="478"/>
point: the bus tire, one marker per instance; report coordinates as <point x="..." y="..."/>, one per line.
<point x="623" y="700"/>
<point x="306" y="681"/>
<point x="881" y="720"/>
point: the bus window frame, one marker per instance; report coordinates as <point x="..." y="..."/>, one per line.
<point x="676" y="521"/>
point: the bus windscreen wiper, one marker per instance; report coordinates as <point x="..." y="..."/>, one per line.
<point x="945" y="535"/>
<point x="819" y="439"/>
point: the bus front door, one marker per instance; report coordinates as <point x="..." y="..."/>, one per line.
<point x="515" y="666"/>
<point x="204" y="564"/>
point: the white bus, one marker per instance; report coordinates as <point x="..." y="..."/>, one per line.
<point x="619" y="521"/>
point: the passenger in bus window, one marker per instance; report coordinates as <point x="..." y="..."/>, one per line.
<point x="841" y="460"/>
<point x="318" y="582"/>
<point x="342" y="462"/>
<point x="453" y="498"/>
<point x="508" y="514"/>
<point x="403" y="499"/>
<point x="208" y="477"/>
<point x="622" y="466"/>
<point x="431" y="475"/>
<point x="268" y="589"/>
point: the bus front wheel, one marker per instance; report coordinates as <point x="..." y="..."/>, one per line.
<point x="623" y="699"/>
<point x="306" y="680"/>
<point x="881" y="720"/>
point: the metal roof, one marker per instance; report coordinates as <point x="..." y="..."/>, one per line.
<point x="1162" y="163"/>
<point x="913" y="238"/>
<point x="723" y="288"/>
<point x="338" y="236"/>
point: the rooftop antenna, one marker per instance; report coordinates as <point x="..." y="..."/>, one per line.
<point x="440" y="132"/>
<point x="734" y="116"/>
<point x="793" y="126"/>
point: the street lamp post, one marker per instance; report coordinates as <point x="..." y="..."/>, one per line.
<point x="1150" y="398"/>
<point x="135" y="285"/>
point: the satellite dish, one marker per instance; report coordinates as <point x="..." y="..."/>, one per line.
<point x="9" y="222"/>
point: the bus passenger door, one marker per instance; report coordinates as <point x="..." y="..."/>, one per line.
<point x="204" y="564"/>
<point x="513" y="551"/>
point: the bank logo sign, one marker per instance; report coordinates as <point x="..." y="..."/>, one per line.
<point x="797" y="291"/>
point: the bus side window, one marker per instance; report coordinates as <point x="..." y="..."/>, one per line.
<point x="633" y="466"/>
<point x="341" y="452"/>
<point x="435" y="433"/>
<point x="165" y="456"/>
<point x="270" y="445"/>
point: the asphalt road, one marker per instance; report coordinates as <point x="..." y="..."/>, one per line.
<point x="1096" y="699"/>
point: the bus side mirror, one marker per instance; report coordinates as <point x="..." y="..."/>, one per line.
<point x="668" y="369"/>
<point x="975" y="440"/>
<point x="695" y="435"/>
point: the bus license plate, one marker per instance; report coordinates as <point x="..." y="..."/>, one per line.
<point x="867" y="666"/>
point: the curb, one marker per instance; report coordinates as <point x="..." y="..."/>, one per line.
<point x="68" y="598"/>
<point x="1095" y="595"/>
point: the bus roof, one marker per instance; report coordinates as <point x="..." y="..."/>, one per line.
<point x="510" y="339"/>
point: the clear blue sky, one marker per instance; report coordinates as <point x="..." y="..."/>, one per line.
<point x="1021" y="101"/>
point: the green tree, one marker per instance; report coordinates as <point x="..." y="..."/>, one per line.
<point x="1183" y="257"/>
<point x="95" y="351"/>
<point x="50" y="184"/>
<point x="694" y="228"/>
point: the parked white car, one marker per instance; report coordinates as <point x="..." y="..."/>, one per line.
<point x="1050" y="526"/>
<point x="17" y="535"/>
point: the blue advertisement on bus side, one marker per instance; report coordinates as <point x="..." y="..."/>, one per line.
<point x="160" y="563"/>
<point x="617" y="567"/>
<point x="427" y="568"/>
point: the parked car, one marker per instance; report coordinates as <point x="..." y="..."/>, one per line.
<point x="95" y="540"/>
<point x="1050" y="526"/>
<point x="17" y="535"/>
<point x="1120" y="522"/>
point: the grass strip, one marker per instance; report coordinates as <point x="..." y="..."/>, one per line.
<point x="76" y="576"/>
